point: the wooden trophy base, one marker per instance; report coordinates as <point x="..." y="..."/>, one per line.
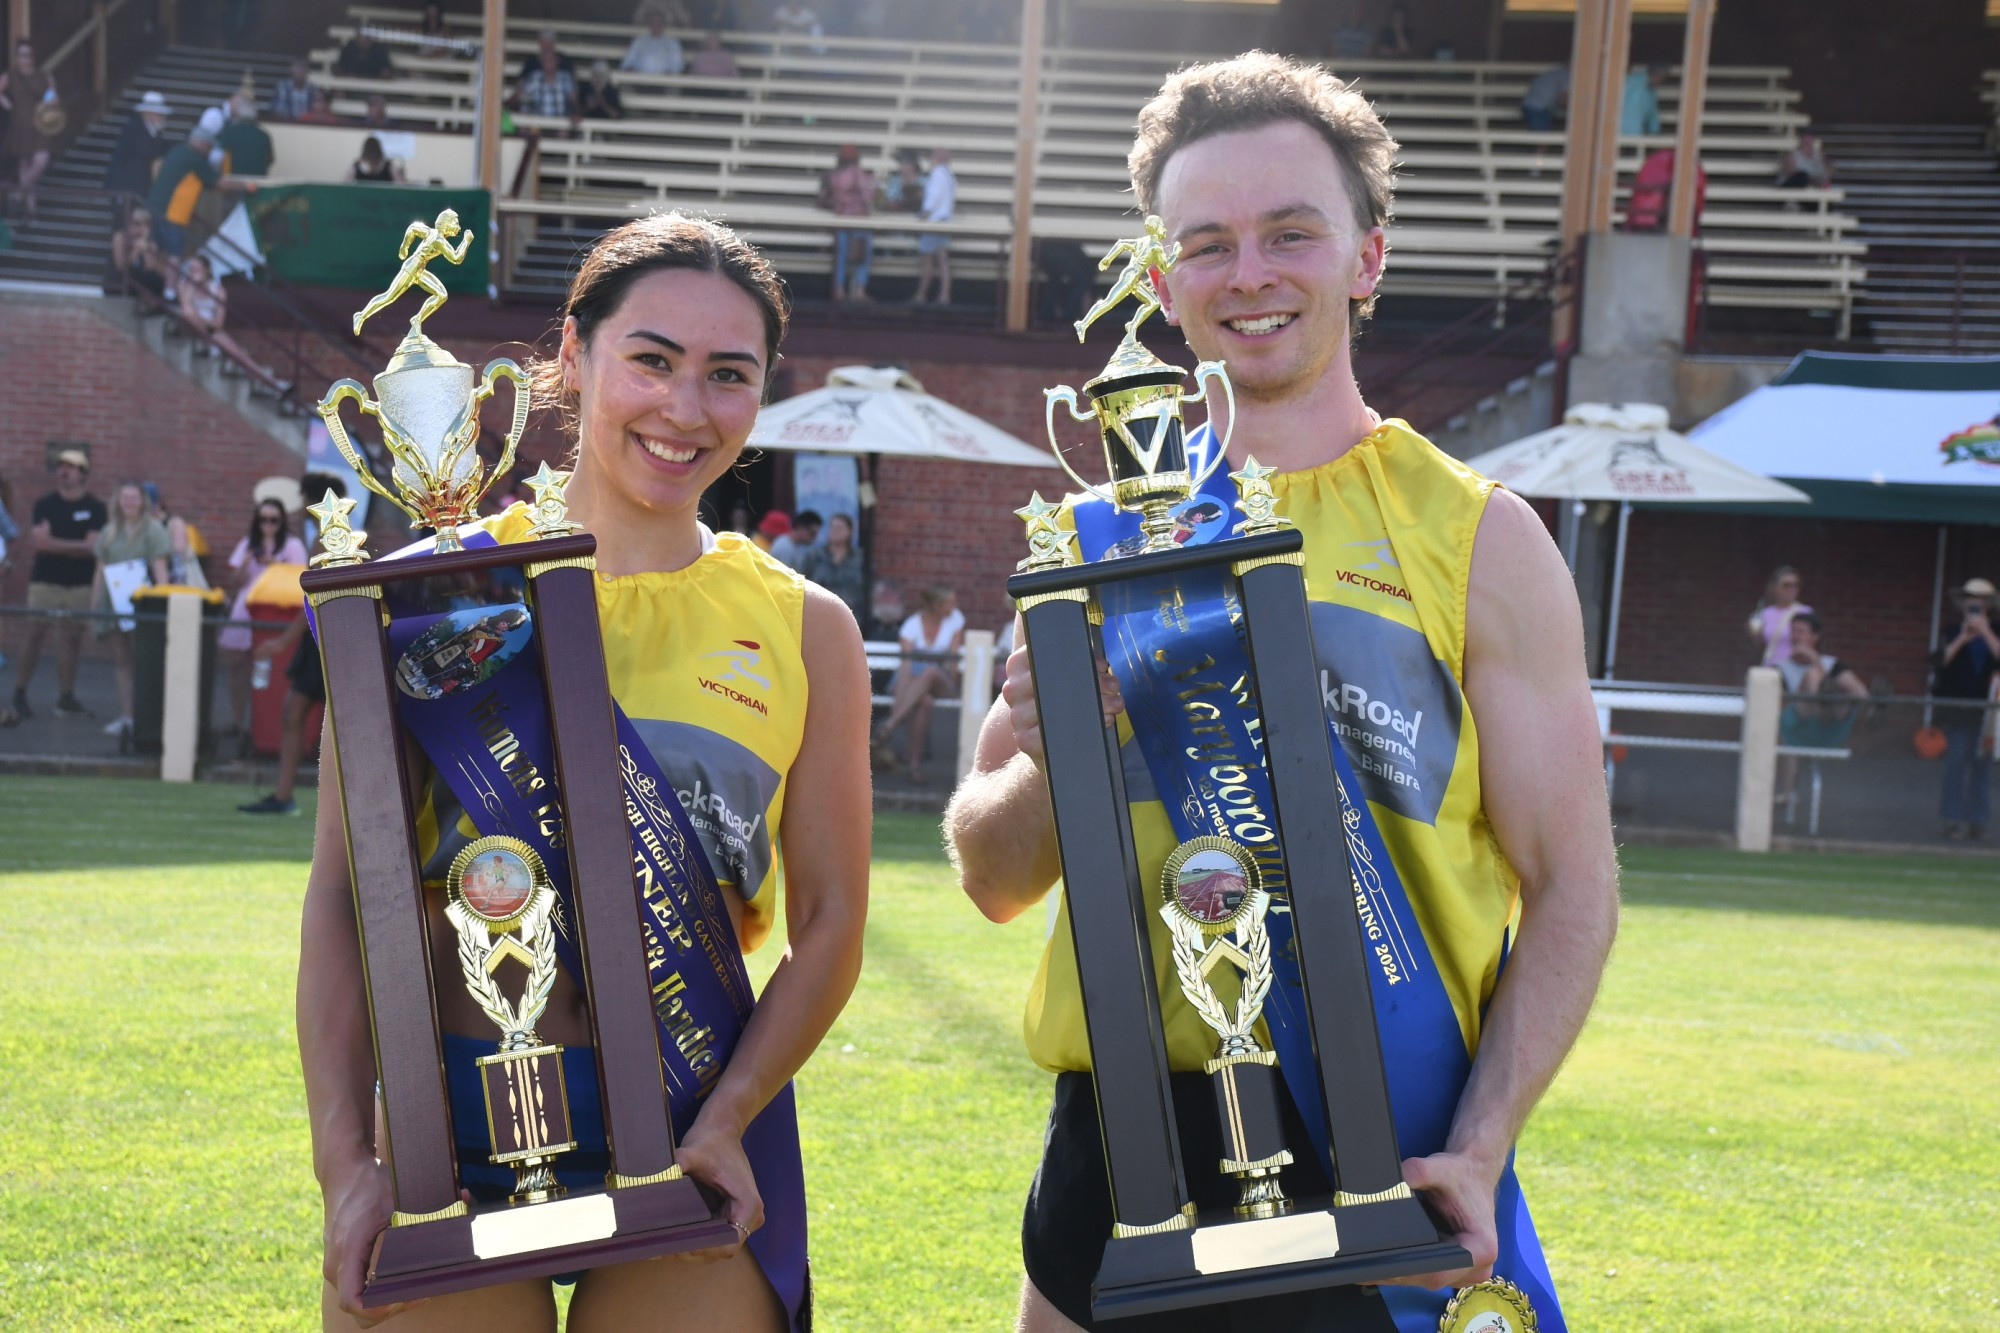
<point x="505" y="1243"/>
<point x="1225" y="1258"/>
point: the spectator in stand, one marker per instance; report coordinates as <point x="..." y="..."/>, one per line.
<point x="1770" y="625"/>
<point x="204" y="306"/>
<point x="63" y="527"/>
<point x="1809" y="673"/>
<point x="836" y="565"/>
<point x="1805" y="165"/>
<point x="1547" y="99"/>
<point x="131" y="551"/>
<point x="246" y="143"/>
<point x="791" y="547"/>
<point x="1964" y="669"/>
<point x="136" y="263"/>
<point x="776" y="523"/>
<point x="377" y="116"/>
<point x="546" y="56"/>
<point x="903" y="191"/>
<point x="270" y="541"/>
<point x="598" y="98"/>
<point x="186" y="547"/>
<point x="24" y="91"/>
<point x="1653" y="190"/>
<point x="292" y="95"/>
<point x="184" y="172"/>
<point x="1394" y="39"/>
<point x="721" y="15"/>
<point x="712" y="61"/>
<point x="433" y="26"/>
<point x="1640" y="113"/>
<point x="1068" y="275"/>
<point x="1352" y="39"/>
<point x="363" y="58"/>
<point x="739" y="519"/>
<point x="934" y="247"/>
<point x="307" y="684"/>
<point x="795" y="18"/>
<point x="654" y="51"/>
<point x="546" y="86"/>
<point x="375" y="165"/>
<point x="129" y="171"/>
<point x="674" y="12"/>
<point x="929" y="671"/>
<point x="846" y="192"/>
<point x="319" y="108"/>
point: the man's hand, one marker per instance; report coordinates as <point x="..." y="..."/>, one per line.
<point x="1024" y="714"/>
<point x="1459" y="1189"/>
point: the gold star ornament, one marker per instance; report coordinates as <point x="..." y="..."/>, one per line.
<point x="339" y="543"/>
<point x="550" y="510"/>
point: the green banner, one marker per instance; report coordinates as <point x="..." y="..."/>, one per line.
<point x="348" y="235"/>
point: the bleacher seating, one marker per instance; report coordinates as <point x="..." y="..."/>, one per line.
<point x="1478" y="198"/>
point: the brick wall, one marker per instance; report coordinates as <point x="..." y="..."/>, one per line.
<point x="1692" y="580"/>
<point x="68" y="373"/>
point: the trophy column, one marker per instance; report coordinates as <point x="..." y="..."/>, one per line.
<point x="1107" y="926"/>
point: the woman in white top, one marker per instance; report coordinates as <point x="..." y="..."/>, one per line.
<point x="934" y="630"/>
<point x="1770" y="625"/>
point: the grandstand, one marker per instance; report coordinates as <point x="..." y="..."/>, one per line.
<point x="1479" y="198"/>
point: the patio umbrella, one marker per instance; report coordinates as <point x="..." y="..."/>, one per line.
<point x="1623" y="452"/>
<point x="882" y="410"/>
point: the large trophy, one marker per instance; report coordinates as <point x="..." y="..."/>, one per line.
<point x="1210" y="637"/>
<point x="501" y="893"/>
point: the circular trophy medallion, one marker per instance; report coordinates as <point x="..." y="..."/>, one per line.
<point x="497" y="879"/>
<point x="1493" y="1306"/>
<point x="1212" y="882"/>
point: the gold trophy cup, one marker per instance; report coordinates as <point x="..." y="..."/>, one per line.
<point x="428" y="401"/>
<point x="1136" y="402"/>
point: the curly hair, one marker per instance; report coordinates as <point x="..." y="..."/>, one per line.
<point x="1257" y="89"/>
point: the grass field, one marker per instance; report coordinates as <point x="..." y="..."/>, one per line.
<point x="1782" y="1115"/>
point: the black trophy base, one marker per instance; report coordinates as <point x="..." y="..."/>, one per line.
<point x="497" y="1242"/>
<point x="1226" y="1259"/>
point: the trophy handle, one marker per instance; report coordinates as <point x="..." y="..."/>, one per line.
<point x="1205" y="373"/>
<point x="523" y="401"/>
<point x="1065" y="394"/>
<point x="329" y="412"/>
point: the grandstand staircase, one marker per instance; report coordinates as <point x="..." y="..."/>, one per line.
<point x="1926" y="199"/>
<point x="67" y="242"/>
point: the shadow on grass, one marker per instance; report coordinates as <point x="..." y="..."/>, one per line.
<point x="74" y="823"/>
<point x="1921" y="890"/>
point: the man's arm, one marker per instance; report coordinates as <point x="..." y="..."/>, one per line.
<point x="1541" y="772"/>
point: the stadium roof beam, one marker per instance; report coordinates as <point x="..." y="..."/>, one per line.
<point x="1027" y="134"/>
<point x="1613" y="55"/>
<point x="1694" y="89"/>
<point x="492" y="69"/>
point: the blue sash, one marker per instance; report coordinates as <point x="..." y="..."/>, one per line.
<point x="1177" y="647"/>
<point x="486" y="732"/>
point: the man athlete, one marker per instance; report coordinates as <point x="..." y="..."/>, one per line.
<point x="1451" y="651"/>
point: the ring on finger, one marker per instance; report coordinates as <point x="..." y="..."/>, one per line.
<point x="741" y="1229"/>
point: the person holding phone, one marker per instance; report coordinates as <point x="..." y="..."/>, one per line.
<point x="1964" y="668"/>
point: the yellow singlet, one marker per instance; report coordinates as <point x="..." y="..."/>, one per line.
<point x="707" y="663"/>
<point x="1388" y="527"/>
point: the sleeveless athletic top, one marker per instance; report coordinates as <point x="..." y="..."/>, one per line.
<point x="707" y="663"/>
<point x="1388" y="530"/>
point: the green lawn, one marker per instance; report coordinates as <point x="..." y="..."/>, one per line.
<point x="1781" y="1116"/>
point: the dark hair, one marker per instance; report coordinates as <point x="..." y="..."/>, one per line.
<point x="807" y="518"/>
<point x="371" y="149"/>
<point x="314" y="486"/>
<point x="1809" y="618"/>
<point x="257" y="542"/>
<point x="664" y="241"/>
<point x="1258" y="89"/>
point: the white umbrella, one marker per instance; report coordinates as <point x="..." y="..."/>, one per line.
<point x="882" y="410"/>
<point x="1623" y="452"/>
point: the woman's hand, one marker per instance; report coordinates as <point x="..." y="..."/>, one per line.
<point x="358" y="1203"/>
<point x="713" y="1154"/>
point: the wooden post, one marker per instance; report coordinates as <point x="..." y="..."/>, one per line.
<point x="99" y="56"/>
<point x="170" y="21"/>
<point x="180" y="710"/>
<point x="1694" y="94"/>
<point x="17" y="25"/>
<point x="975" y="693"/>
<point x="1580" y="149"/>
<point x="492" y="66"/>
<point x="1757" y="768"/>
<point x="1027" y="136"/>
<point x="1615" y="54"/>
